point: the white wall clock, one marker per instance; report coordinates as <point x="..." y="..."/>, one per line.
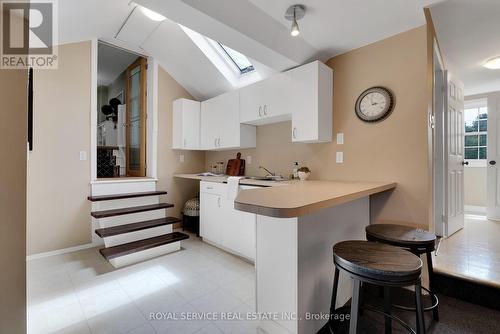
<point x="374" y="104"/>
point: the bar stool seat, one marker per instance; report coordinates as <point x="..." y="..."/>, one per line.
<point x="378" y="262"/>
<point x="414" y="240"/>
<point x="382" y="265"/>
<point x="402" y="236"/>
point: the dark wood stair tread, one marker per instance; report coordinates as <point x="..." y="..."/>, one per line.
<point x="141" y="245"/>
<point x="124" y="196"/>
<point x="134" y="227"/>
<point x="126" y="211"/>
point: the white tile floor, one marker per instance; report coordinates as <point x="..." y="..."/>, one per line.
<point x="81" y="293"/>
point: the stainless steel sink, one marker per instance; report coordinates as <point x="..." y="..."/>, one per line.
<point x="266" y="178"/>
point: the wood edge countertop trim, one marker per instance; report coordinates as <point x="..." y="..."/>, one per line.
<point x="309" y="208"/>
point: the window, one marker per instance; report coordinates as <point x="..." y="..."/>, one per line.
<point x="240" y="60"/>
<point x="476" y="129"/>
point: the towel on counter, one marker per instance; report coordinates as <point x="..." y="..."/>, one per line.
<point x="233" y="183"/>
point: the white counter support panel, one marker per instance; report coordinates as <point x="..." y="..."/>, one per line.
<point x="295" y="264"/>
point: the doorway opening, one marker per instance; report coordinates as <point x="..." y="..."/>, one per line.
<point x="121" y="112"/>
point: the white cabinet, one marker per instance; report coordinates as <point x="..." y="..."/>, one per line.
<point x="211" y="211"/>
<point x="186" y="125"/>
<point x="311" y="98"/>
<point x="223" y="225"/>
<point x="220" y="124"/>
<point x="266" y="101"/>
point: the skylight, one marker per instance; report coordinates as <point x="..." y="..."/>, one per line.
<point x="240" y="60"/>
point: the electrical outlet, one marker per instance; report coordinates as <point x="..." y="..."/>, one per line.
<point x="249" y="159"/>
<point x="340" y="138"/>
<point x="181" y="158"/>
<point x="83" y="155"/>
<point x="340" y="157"/>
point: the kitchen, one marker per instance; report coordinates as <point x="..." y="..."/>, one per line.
<point x="265" y="219"/>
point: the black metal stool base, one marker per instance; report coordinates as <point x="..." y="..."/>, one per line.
<point x="434" y="298"/>
<point x="337" y="326"/>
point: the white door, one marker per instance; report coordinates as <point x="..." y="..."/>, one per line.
<point x="210" y="215"/>
<point x="305" y="103"/>
<point x="228" y="121"/>
<point x="454" y="164"/>
<point x="209" y="126"/>
<point x="493" y="170"/>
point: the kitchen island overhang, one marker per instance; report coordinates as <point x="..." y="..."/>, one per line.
<point x="297" y="226"/>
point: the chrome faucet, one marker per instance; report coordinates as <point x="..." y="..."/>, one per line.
<point x="267" y="170"/>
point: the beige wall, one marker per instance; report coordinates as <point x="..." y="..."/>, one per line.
<point x="475" y="186"/>
<point x="13" y="122"/>
<point x="179" y="190"/>
<point x="393" y="150"/>
<point x="58" y="182"/>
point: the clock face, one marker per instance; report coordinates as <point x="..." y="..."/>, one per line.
<point x="374" y="104"/>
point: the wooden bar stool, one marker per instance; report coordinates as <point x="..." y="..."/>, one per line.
<point x="382" y="265"/>
<point x="414" y="240"/>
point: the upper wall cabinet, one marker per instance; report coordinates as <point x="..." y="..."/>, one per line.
<point x="303" y="94"/>
<point x="311" y="98"/>
<point x="220" y="124"/>
<point x="186" y="125"/>
<point x="266" y="101"/>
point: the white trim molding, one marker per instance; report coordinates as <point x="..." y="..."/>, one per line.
<point x="58" y="252"/>
<point x="475" y="209"/>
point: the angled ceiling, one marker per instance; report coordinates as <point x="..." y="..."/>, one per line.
<point x="256" y="28"/>
<point x="111" y="63"/>
<point x="468" y="34"/>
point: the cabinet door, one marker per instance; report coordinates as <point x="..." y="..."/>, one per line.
<point x="305" y="103"/>
<point x="251" y="101"/>
<point x="277" y="92"/>
<point x="228" y="120"/>
<point x="267" y="101"/>
<point x="191" y="125"/>
<point x="209" y="127"/>
<point x="210" y="216"/>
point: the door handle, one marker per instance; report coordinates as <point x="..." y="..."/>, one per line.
<point x="218" y="142"/>
<point x="260" y="111"/>
<point x="465" y="163"/>
<point x="294" y="133"/>
<point x="493" y="162"/>
<point x="215" y="142"/>
<point x="265" y="109"/>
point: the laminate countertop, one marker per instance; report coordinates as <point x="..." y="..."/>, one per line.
<point x="304" y="197"/>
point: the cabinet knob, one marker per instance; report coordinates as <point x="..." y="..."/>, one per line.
<point x="260" y="111"/>
<point x="493" y="162"/>
<point x="294" y="133"/>
<point x="265" y="109"/>
<point x="215" y="142"/>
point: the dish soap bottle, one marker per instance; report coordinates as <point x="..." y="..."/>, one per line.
<point x="295" y="170"/>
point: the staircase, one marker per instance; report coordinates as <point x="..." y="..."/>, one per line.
<point x="133" y="226"/>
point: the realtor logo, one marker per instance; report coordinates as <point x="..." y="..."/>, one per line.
<point x="29" y="34"/>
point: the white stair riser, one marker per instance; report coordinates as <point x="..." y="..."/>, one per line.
<point x="103" y="188"/>
<point x="145" y="255"/>
<point x="138" y="235"/>
<point x="124" y="203"/>
<point x="131" y="218"/>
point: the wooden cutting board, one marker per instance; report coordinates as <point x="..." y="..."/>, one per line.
<point x="236" y="167"/>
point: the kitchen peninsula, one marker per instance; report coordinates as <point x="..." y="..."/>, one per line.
<point x="296" y="228"/>
<point x="296" y="225"/>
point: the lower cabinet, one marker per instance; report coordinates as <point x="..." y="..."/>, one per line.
<point x="224" y="226"/>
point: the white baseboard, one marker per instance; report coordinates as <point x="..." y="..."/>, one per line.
<point x="475" y="209"/>
<point x="58" y="252"/>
